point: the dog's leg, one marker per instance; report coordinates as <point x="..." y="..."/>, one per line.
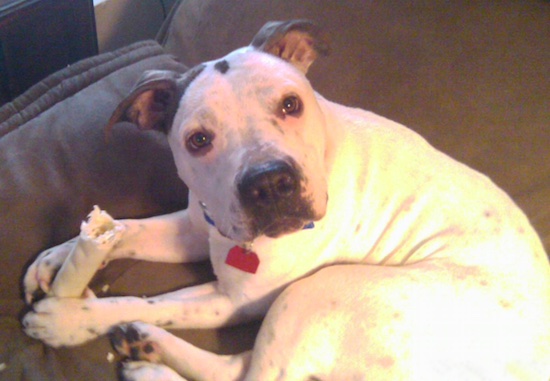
<point x="139" y="341"/>
<point x="70" y="321"/>
<point x="173" y="238"/>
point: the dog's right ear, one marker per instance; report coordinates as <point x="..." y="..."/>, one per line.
<point x="153" y="102"/>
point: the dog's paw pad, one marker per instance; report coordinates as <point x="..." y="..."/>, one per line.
<point x="131" y="342"/>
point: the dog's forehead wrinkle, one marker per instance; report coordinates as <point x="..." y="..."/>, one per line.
<point x="263" y="93"/>
<point x="211" y="107"/>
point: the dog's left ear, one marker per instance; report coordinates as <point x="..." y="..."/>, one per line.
<point x="149" y="103"/>
<point x="297" y="41"/>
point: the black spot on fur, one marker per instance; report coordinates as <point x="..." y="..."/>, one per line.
<point x="164" y="323"/>
<point x="277" y="126"/>
<point x="222" y="66"/>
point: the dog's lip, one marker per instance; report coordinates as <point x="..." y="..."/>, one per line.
<point x="247" y="232"/>
<point x="284" y="225"/>
<point x="238" y="235"/>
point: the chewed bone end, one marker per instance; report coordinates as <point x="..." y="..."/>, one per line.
<point x="97" y="237"/>
<point x="101" y="228"/>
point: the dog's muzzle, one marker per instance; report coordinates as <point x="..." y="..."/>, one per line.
<point x="271" y="195"/>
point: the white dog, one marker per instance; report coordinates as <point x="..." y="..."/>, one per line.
<point x="375" y="256"/>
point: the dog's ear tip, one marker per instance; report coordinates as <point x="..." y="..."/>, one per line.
<point x="322" y="47"/>
<point x="108" y="128"/>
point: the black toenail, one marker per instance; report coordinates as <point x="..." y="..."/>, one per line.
<point x="132" y="334"/>
<point x="134" y="353"/>
<point x="117" y="336"/>
<point x="148" y="348"/>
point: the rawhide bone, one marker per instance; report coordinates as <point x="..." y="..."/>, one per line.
<point x="97" y="237"/>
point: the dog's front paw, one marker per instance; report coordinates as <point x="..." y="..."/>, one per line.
<point x="146" y="371"/>
<point x="40" y="274"/>
<point x="62" y="322"/>
<point x="133" y="341"/>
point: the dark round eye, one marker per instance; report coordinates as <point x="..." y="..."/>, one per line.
<point x="292" y="105"/>
<point x="198" y="141"/>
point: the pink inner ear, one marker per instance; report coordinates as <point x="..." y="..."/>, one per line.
<point x="148" y="109"/>
<point x="297" y="48"/>
<point x="297" y="41"/>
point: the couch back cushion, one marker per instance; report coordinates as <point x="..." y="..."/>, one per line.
<point x="55" y="162"/>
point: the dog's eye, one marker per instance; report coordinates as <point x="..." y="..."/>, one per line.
<point x="199" y="141"/>
<point x="292" y="106"/>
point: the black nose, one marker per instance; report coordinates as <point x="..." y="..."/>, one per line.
<point x="268" y="185"/>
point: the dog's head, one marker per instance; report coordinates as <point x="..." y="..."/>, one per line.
<point x="246" y="131"/>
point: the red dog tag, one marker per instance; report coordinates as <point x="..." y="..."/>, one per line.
<point x="243" y="259"/>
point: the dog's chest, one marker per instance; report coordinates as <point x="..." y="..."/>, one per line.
<point x="253" y="271"/>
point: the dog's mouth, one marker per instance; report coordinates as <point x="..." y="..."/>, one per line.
<point x="274" y="230"/>
<point x="265" y="225"/>
<point x="270" y="227"/>
<point x="283" y="226"/>
<point x="277" y="223"/>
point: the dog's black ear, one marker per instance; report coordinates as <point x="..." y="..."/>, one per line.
<point x="153" y="102"/>
<point x="297" y="41"/>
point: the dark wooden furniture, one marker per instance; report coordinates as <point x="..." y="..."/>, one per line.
<point x="39" y="37"/>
